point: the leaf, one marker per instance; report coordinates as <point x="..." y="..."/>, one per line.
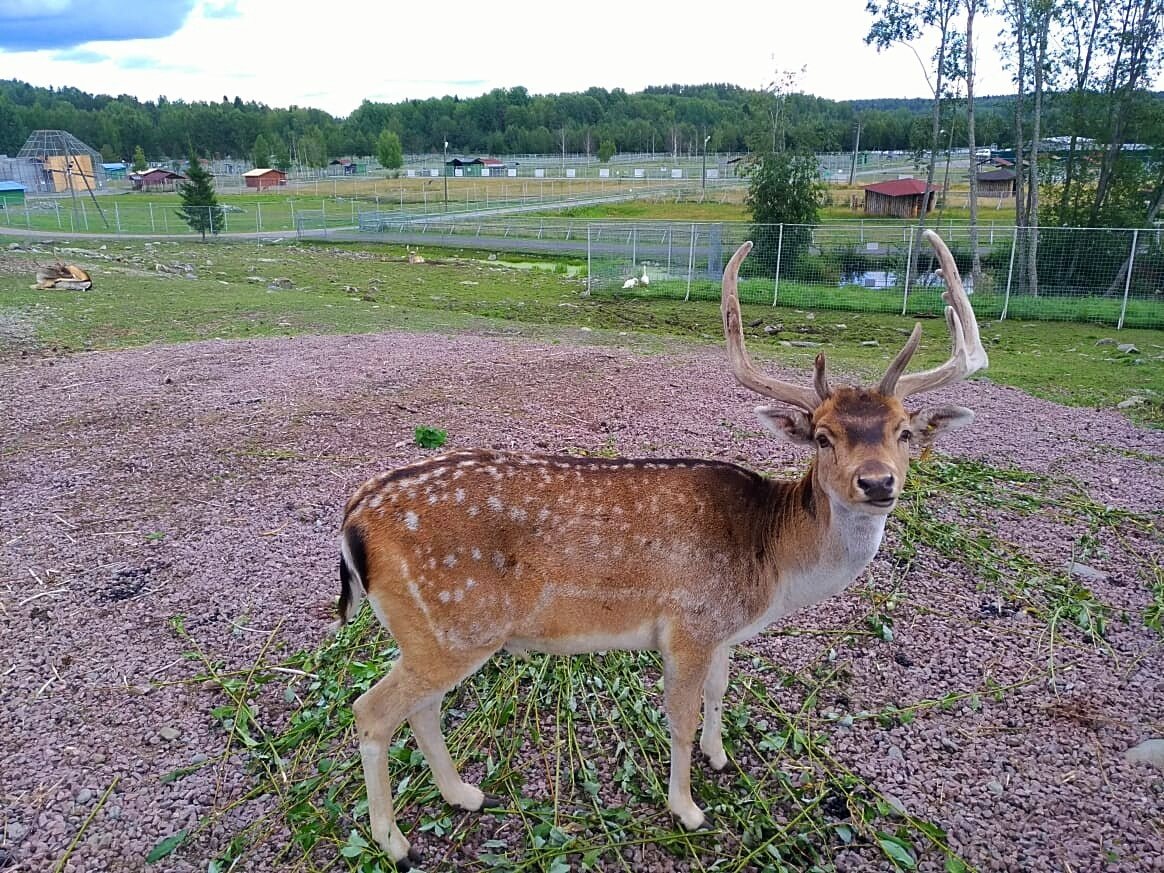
<point x="897" y="852"/>
<point x="429" y="437"/>
<point x="955" y="865"/>
<point x="559" y="865"/>
<point x="166" y="846"/>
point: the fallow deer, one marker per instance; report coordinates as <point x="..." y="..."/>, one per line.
<point x="472" y="552"/>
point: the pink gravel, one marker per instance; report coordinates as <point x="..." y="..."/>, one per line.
<point x="207" y="480"/>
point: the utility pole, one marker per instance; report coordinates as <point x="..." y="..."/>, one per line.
<point x="856" y="149"/>
<point x="445" y="172"/>
<point x="703" y="177"/>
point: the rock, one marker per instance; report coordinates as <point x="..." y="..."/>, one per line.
<point x="800" y="344"/>
<point x="85" y="795"/>
<point x="995" y="787"/>
<point x="1090" y="574"/>
<point x="1130" y="402"/>
<point x="281" y="283"/>
<point x="1127" y="349"/>
<point x="773" y="329"/>
<point x="755" y="322"/>
<point x="14" y="832"/>
<point x="169" y="733"/>
<point x="1147" y="752"/>
<point x="841" y="326"/>
<point x="895" y="753"/>
<point x="1105" y="341"/>
<point x="870" y="343"/>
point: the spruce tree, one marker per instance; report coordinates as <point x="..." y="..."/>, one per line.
<point x="200" y="207"/>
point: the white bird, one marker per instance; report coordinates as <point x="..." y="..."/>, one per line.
<point x="630" y="283"/>
<point x="644" y="279"/>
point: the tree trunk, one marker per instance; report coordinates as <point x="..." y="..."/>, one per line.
<point x="1042" y="26"/>
<point x="975" y="257"/>
<point x="1020" y="213"/>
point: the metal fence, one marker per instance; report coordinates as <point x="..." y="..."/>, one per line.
<point x="1108" y="276"/>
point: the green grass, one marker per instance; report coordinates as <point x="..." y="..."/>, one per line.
<point x="354" y="289"/>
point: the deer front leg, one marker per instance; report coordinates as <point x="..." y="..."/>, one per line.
<point x="711" y="739"/>
<point x="685" y="669"/>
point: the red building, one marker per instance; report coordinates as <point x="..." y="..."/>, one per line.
<point x="903" y="198"/>
<point x="264" y="177"/>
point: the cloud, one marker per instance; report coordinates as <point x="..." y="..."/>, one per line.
<point x="227" y="9"/>
<point x="141" y="62"/>
<point x="81" y="56"/>
<point x="31" y="25"/>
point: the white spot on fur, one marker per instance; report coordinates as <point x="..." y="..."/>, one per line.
<point x="543" y="514"/>
<point x="459" y="495"/>
<point x="498" y="561"/>
<point x="443" y="597"/>
<point x="458" y="595"/>
<point x="470" y="583"/>
<point x="494" y="503"/>
<point x="517" y="513"/>
<point x="411" y="520"/>
<point x="450" y="560"/>
<point x="473" y="510"/>
<point x="476" y="555"/>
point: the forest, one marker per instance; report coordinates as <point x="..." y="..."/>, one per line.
<point x="671" y="118"/>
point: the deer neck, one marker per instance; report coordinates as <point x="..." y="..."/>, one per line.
<point x="833" y="545"/>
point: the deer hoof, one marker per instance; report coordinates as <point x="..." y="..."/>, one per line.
<point x="412" y="857"/>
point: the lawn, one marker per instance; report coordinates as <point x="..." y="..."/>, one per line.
<point x="144" y="293"/>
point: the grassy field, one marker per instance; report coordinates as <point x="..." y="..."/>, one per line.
<point x="143" y="293"/>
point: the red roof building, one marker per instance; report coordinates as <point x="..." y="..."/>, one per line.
<point x="902" y="198"/>
<point x="264" y="177"/>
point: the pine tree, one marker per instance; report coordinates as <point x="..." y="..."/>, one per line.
<point x="200" y="207"/>
<point x="139" y="159"/>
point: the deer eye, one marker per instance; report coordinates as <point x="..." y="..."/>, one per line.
<point x="905" y="436"/>
<point x="822" y="440"/>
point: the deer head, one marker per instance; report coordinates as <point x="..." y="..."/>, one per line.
<point x="862" y="435"/>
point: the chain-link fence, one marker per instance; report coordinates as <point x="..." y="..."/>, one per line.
<point x="1110" y="276"/>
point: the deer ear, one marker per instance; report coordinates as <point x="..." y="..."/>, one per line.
<point x="789" y="425"/>
<point x="928" y="423"/>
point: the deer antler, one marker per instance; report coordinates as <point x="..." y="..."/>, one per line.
<point x="967" y="355"/>
<point x="745" y="372"/>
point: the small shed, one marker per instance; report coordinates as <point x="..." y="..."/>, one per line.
<point x="902" y="198"/>
<point x="474" y="167"/>
<point x="115" y="170"/>
<point x="342" y="166"/>
<point x="156" y="179"/>
<point x="996" y="183"/>
<point x="264" y="177"/>
<point x="11" y="192"/>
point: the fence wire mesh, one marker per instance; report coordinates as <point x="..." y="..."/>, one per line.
<point x="1109" y="276"/>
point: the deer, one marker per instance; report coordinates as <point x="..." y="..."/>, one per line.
<point x="476" y="551"/>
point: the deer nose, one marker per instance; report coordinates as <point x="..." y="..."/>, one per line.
<point x="876" y="484"/>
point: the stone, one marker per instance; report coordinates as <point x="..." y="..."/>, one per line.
<point x="85" y="795"/>
<point x="870" y="343"/>
<point x="895" y="753"/>
<point x="1090" y="574"/>
<point x="995" y="787"/>
<point x="1147" y="752"/>
<point x="169" y="733"/>
<point x="800" y="344"/>
<point x="14" y="831"/>
<point x="1127" y="349"/>
<point x="1130" y="402"/>
<point x="1105" y="341"/>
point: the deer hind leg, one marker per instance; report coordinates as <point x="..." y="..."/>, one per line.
<point x="685" y="669"/>
<point x="400" y="695"/>
<point x="426" y="728"/>
<point x="714" y="686"/>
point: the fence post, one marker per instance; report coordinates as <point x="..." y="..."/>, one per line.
<point x="1128" y="278"/>
<point x="210" y="218"/>
<point x="153" y="227"/>
<point x="258" y="217"/>
<point x="634" y="246"/>
<point x="908" y="267"/>
<point x="690" y="264"/>
<point x="117" y="217"/>
<point x="779" y="252"/>
<point x="589" y="269"/>
<point x="1009" y="274"/>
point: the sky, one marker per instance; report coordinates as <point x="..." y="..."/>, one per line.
<point x="334" y="57"/>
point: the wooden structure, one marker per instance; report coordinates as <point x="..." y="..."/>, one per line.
<point x="996" y="183"/>
<point x="264" y="177"/>
<point x="156" y="179"/>
<point x="475" y="167"/>
<point x="901" y="198"/>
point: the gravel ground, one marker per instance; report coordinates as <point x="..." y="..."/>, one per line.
<point x="207" y="480"/>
